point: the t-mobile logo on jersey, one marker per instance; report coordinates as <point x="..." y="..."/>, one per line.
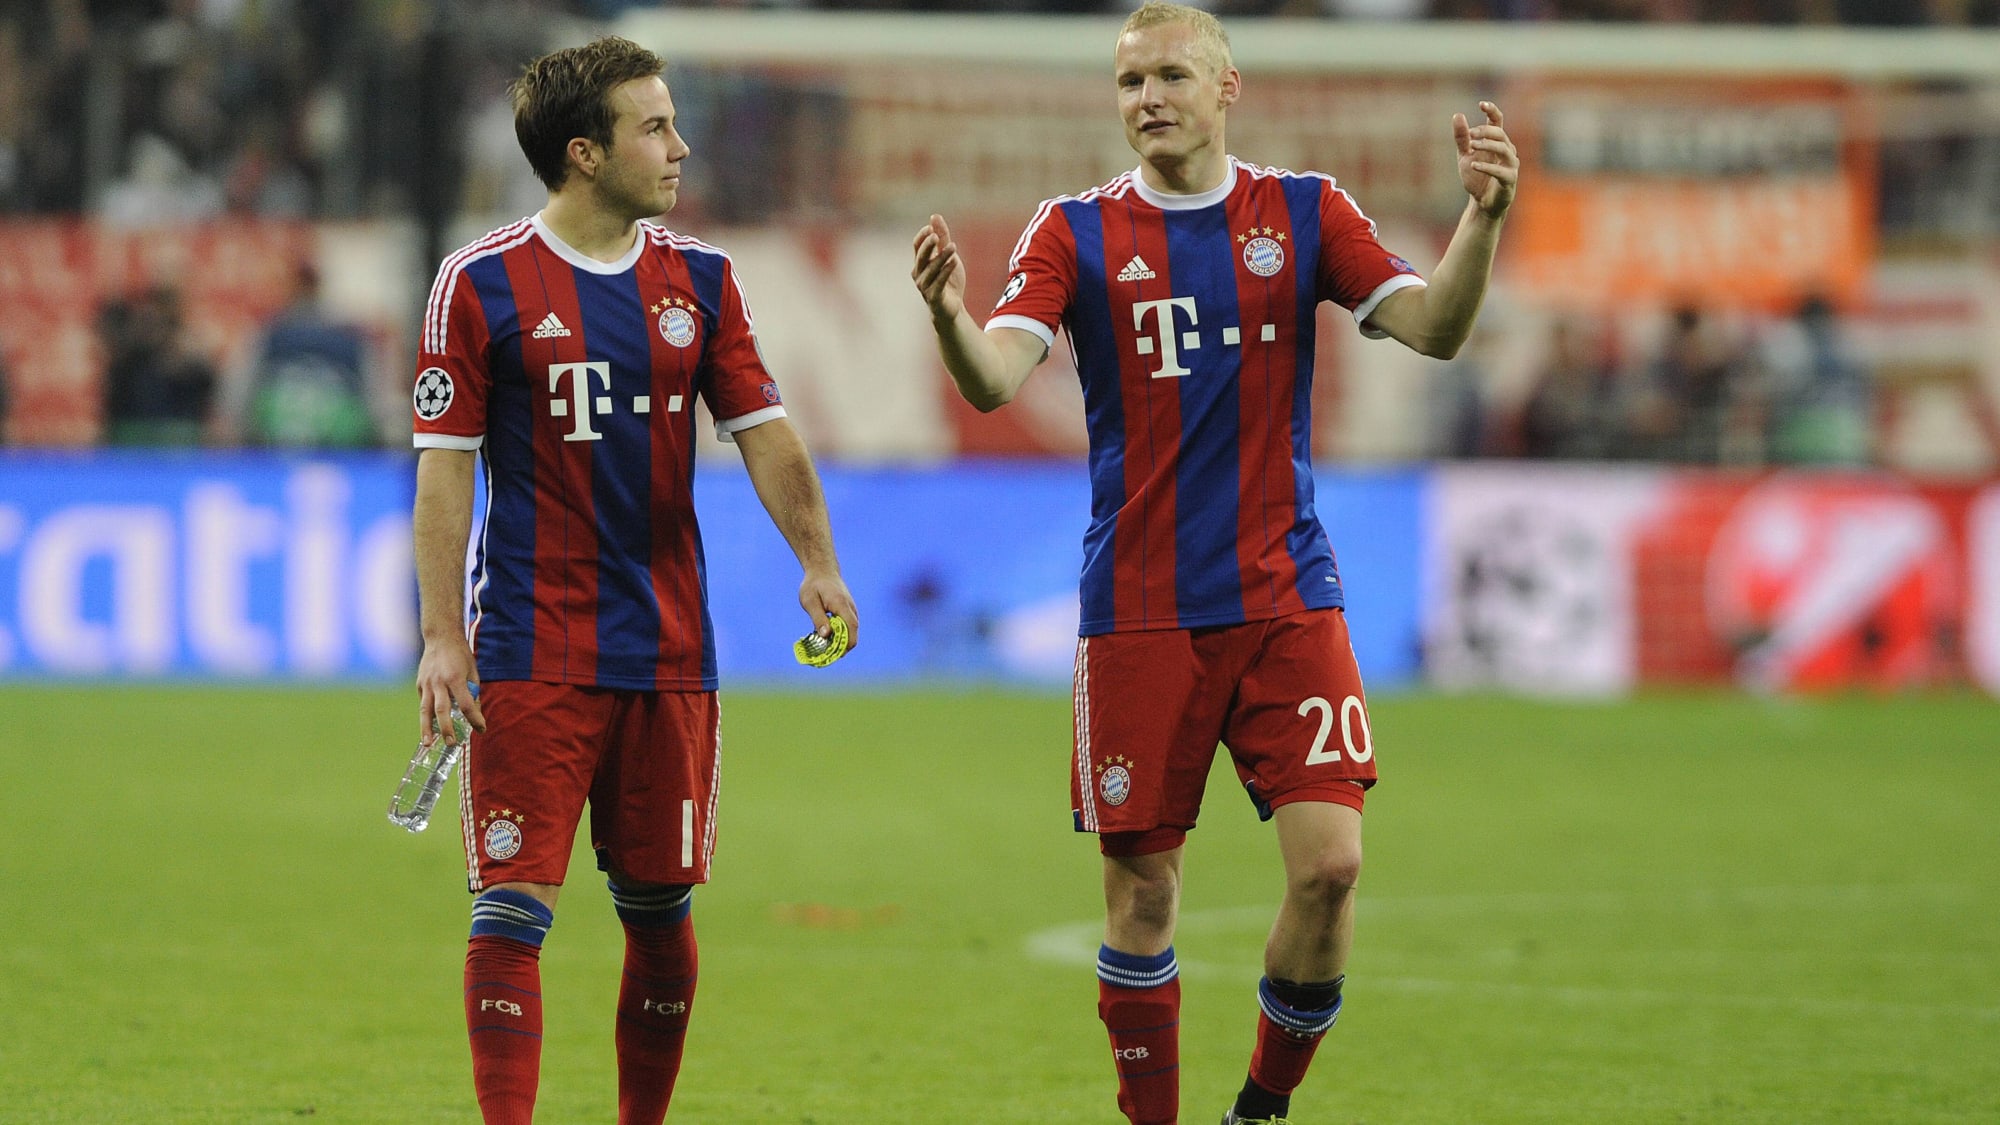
<point x="586" y="404"/>
<point x="1169" y="338"/>
<point x="1170" y="341"/>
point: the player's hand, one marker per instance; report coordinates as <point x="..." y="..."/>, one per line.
<point x="1488" y="164"/>
<point x="821" y="594"/>
<point x="939" y="272"/>
<point x="443" y="676"/>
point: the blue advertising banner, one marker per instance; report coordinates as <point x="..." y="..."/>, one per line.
<point x="205" y="566"/>
<point x="970" y="570"/>
<point x="265" y="567"/>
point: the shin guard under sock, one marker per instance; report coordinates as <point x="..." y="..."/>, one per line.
<point x="503" y="1003"/>
<point x="655" y="998"/>
<point x="1293" y="1019"/>
<point x="1139" y="1000"/>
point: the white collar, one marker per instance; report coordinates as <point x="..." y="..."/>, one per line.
<point x="584" y="261"/>
<point x="1166" y="202"/>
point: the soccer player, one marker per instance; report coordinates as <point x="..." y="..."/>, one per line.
<point x="1211" y="607"/>
<point x="565" y="352"/>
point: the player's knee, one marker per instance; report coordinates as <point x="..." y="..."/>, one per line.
<point x="1148" y="901"/>
<point x="1328" y="879"/>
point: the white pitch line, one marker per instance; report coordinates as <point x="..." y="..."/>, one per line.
<point x="1075" y="944"/>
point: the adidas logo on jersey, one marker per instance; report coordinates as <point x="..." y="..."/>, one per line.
<point x="1137" y="270"/>
<point x="549" y="328"/>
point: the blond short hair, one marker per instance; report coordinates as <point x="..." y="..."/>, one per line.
<point x="1211" y="42"/>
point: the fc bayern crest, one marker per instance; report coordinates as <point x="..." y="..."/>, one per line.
<point x="433" y="394"/>
<point x="1264" y="256"/>
<point x="1115" y="783"/>
<point x="677" y="326"/>
<point x="503" y="839"/>
<point x="1014" y="287"/>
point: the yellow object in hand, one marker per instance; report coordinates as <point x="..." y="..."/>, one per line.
<point x="816" y="651"/>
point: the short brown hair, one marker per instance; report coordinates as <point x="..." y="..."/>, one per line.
<point x="567" y="94"/>
<point x="1211" y="42"/>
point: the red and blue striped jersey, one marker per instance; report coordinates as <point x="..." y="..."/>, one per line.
<point x="575" y="380"/>
<point x="1191" y="318"/>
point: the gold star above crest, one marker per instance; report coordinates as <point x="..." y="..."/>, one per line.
<point x="1281" y="236"/>
<point x="1242" y="238"/>
<point x="1268" y="231"/>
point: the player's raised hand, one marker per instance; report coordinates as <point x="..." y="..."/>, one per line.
<point x="1488" y="164"/>
<point x="442" y="678"/>
<point x="821" y="594"/>
<point x="939" y="272"/>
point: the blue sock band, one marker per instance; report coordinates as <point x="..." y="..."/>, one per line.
<point x="652" y="908"/>
<point x="512" y="914"/>
<point x="1132" y="970"/>
<point x="1297" y="1021"/>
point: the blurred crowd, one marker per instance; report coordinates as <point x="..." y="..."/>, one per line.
<point x="1778" y="391"/>
<point x="142" y="111"/>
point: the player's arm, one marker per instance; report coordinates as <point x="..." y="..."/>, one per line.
<point x="1435" y="319"/>
<point x="782" y="472"/>
<point x="988" y="366"/>
<point x="443" y="523"/>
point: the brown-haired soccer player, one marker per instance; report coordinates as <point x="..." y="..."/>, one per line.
<point x="565" y="351"/>
<point x="1211" y="607"/>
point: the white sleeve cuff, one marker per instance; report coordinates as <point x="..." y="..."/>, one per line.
<point x="1042" y="331"/>
<point x="724" y="428"/>
<point x="1367" y="307"/>
<point x="449" y="441"/>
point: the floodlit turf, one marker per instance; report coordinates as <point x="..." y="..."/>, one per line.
<point x="1682" y="909"/>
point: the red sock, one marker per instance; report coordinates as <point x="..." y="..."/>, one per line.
<point x="1145" y="1047"/>
<point x="654" y="1003"/>
<point x="503" y="1020"/>
<point x="1281" y="1057"/>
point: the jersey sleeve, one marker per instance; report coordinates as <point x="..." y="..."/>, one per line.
<point x="735" y="384"/>
<point x="1355" y="272"/>
<point x="1041" y="277"/>
<point x="448" y="401"/>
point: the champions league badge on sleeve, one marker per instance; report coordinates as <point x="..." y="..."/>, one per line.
<point x="433" y="394"/>
<point x="1014" y="286"/>
<point x="676" y="322"/>
<point x="1114" y="781"/>
<point x="500" y="833"/>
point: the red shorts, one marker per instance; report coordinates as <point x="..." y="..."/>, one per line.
<point x="1284" y="695"/>
<point x="646" y="761"/>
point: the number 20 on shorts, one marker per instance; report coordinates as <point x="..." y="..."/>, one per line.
<point x="1352" y="703"/>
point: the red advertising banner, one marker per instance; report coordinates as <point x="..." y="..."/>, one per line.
<point x="1595" y="580"/>
<point x="1805" y="582"/>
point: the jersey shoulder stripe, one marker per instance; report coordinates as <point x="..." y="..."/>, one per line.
<point x="661" y="236"/>
<point x="686" y="243"/>
<point x="436" y="316"/>
<point x="1115" y="189"/>
<point x="1260" y="171"/>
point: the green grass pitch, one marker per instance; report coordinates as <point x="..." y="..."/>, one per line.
<point x="1690" y="908"/>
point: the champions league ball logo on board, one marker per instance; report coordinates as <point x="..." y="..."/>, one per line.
<point x="500" y="834"/>
<point x="1114" y="781"/>
<point x="1263" y="250"/>
<point x="676" y="321"/>
<point x="433" y="394"/>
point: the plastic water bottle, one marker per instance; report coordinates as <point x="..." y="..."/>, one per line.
<point x="430" y="767"/>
